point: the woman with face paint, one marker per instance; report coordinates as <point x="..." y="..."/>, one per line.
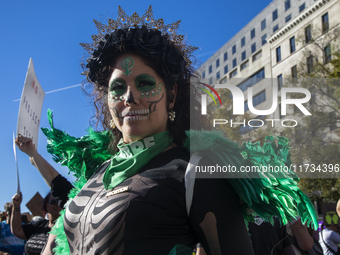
<point x="132" y="195"/>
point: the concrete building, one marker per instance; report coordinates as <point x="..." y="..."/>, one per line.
<point x="271" y="45"/>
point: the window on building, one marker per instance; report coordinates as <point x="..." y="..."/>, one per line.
<point x="325" y="22"/>
<point x="327" y="53"/>
<point x="217" y="63"/>
<point x="243" y="41"/>
<point x="310" y="64"/>
<point x="263" y="24"/>
<point x="218" y="76"/>
<point x="243" y="55"/>
<point x="252" y="33"/>
<point x="292" y="44"/>
<point x="233" y="73"/>
<point x="234" y="62"/>
<point x="308" y="33"/>
<point x="253" y="79"/>
<point x="210" y="80"/>
<point x="253" y="47"/>
<point x="259" y="98"/>
<point x="279" y="81"/>
<point x="274" y="15"/>
<point x="276" y="27"/>
<point x="234" y="49"/>
<point x="210" y="69"/>
<point x="246" y="108"/>
<point x="224" y="80"/>
<point x="288" y="18"/>
<point x="244" y="65"/>
<point x="302" y="7"/>
<point x="287" y="5"/>
<point x="203" y="74"/>
<point x="294" y="72"/>
<point x="257" y="55"/>
<point x="225" y="69"/>
<point x="225" y="56"/>
<point x="278" y="54"/>
<point x="264" y="39"/>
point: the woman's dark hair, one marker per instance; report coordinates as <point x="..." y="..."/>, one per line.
<point x="158" y="52"/>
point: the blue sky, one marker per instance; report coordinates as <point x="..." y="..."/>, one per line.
<point x="49" y="32"/>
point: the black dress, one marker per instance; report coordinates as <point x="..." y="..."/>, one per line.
<point x="146" y="214"/>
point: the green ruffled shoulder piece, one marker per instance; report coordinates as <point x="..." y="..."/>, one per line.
<point x="267" y="193"/>
<point x="82" y="155"/>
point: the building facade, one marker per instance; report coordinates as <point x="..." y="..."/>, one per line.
<point x="272" y="45"/>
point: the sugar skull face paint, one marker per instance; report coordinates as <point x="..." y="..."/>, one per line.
<point x="117" y="88"/>
<point x="135" y="113"/>
<point x="127" y="64"/>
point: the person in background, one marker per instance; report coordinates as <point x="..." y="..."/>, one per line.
<point x="47" y="171"/>
<point x="338" y="208"/>
<point x="36" y="232"/>
<point x="60" y="186"/>
<point x="300" y="238"/>
<point x="268" y="239"/>
<point x="9" y="244"/>
<point x="330" y="239"/>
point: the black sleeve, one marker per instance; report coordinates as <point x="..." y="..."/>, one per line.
<point x="60" y="187"/>
<point x="286" y="240"/>
<point x="217" y="218"/>
<point x="31" y="227"/>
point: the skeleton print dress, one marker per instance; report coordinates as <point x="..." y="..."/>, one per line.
<point x="146" y="214"/>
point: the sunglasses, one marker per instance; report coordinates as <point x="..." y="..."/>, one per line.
<point x="53" y="202"/>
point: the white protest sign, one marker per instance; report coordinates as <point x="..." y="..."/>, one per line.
<point x="31" y="102"/>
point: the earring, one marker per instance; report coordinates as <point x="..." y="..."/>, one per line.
<point x="172" y="115"/>
<point x="112" y="124"/>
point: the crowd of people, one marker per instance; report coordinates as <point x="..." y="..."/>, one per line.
<point x="135" y="191"/>
<point x="20" y="238"/>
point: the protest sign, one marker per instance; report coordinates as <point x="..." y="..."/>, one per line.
<point x="35" y="205"/>
<point x="329" y="214"/>
<point x="30" y="106"/>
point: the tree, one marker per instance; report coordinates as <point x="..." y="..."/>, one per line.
<point x="316" y="140"/>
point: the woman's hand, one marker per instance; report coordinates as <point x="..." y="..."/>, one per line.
<point x="26" y="145"/>
<point x="17" y="199"/>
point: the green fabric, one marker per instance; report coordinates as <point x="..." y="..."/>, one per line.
<point x="267" y="194"/>
<point x="275" y="194"/>
<point x="132" y="157"/>
<point x="181" y="250"/>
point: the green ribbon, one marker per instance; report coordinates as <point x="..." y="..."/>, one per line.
<point x="133" y="156"/>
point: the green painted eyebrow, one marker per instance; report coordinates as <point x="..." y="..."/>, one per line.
<point x="145" y="82"/>
<point x="117" y="87"/>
